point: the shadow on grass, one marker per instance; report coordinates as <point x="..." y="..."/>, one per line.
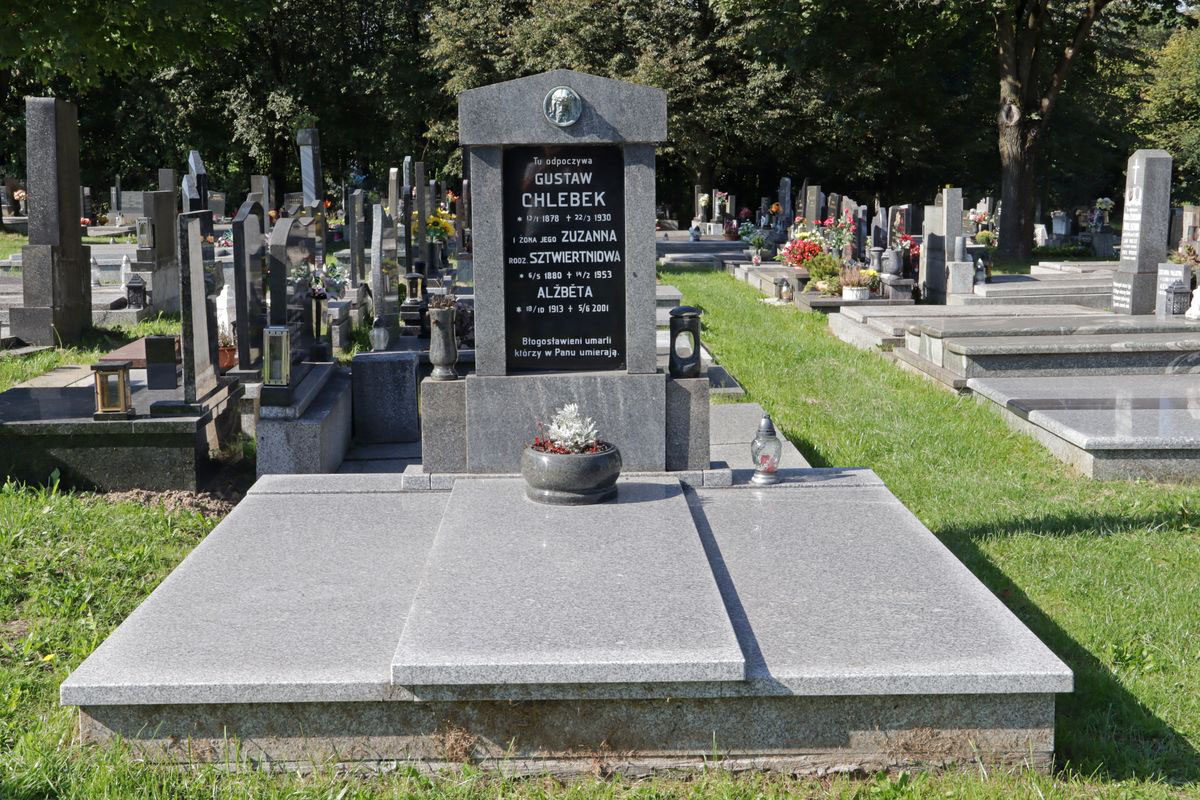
<point x="1101" y="727"/>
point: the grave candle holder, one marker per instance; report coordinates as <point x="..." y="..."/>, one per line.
<point x="380" y="336"/>
<point x="277" y="365"/>
<point x="135" y="291"/>
<point x="113" y="399"/>
<point x="684" y="362"/>
<point x="765" y="451"/>
<point x="145" y="233"/>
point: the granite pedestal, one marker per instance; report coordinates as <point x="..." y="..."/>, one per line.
<point x="659" y="631"/>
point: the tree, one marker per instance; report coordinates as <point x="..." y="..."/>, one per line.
<point x="1172" y="111"/>
<point x="1038" y="44"/>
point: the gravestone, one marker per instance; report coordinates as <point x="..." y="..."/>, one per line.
<point x="85" y="203"/>
<point x="261" y="186"/>
<point x="195" y="185"/>
<point x="697" y="193"/>
<point x="249" y="261"/>
<point x="562" y="172"/>
<point x="1144" y="230"/>
<point x="1190" y="232"/>
<point x="56" y="290"/>
<point x="291" y="248"/>
<point x="382" y="301"/>
<point x="421" y="242"/>
<point x="406" y="173"/>
<point x="393" y="191"/>
<point x="406" y="215"/>
<point x="1168" y="276"/>
<point x="933" y="256"/>
<point x="167" y="181"/>
<point x="158" y="264"/>
<point x="812" y="204"/>
<point x="114" y="203"/>
<point x="355" y="230"/>
<point x="199" y="371"/>
<point x="313" y="184"/>
<point x="786" y="212"/>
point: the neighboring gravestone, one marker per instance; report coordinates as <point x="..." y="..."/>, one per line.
<point x="933" y="256"/>
<point x="157" y="261"/>
<point x="1170" y="278"/>
<point x="249" y="262"/>
<point x="55" y="275"/>
<point x="166" y="181"/>
<point x="1143" y="231"/>
<point x="812" y="204"/>
<point x="697" y="193"/>
<point x="562" y="169"/>
<point x="393" y="191"/>
<point x="199" y="372"/>
<point x="261" y="186"/>
<point x="406" y="216"/>
<point x="355" y="230"/>
<point x="195" y="185"/>
<point x="421" y="242"/>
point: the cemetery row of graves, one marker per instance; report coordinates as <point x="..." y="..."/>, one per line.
<point x="503" y="512"/>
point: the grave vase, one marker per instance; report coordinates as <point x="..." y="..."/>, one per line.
<point x="443" y="348"/>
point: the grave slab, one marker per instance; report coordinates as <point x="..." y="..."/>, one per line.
<point x="516" y="592"/>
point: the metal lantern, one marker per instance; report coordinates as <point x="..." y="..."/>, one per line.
<point x="277" y="363"/>
<point x="135" y="291"/>
<point x="380" y="335"/>
<point x="145" y="233"/>
<point x="1179" y="299"/>
<point x="765" y="451"/>
<point x="685" y="324"/>
<point x="789" y="292"/>
<point x="414" y="287"/>
<point x="112" y="390"/>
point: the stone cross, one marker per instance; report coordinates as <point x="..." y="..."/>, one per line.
<point x="1144" y="229"/>
<point x="56" y="290"/>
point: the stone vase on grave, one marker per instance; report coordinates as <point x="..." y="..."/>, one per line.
<point x="443" y="346"/>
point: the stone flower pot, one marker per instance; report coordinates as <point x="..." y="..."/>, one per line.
<point x="856" y="292"/>
<point x="443" y="347"/>
<point x="571" y="479"/>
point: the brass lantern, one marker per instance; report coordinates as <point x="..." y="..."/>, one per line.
<point x="277" y="362"/>
<point x="112" y="390"/>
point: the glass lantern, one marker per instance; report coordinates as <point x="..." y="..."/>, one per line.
<point x="112" y="390"/>
<point x="145" y="233"/>
<point x="277" y="364"/>
<point x="135" y="291"/>
<point x="380" y="336"/>
<point x="765" y="451"/>
<point x="414" y="287"/>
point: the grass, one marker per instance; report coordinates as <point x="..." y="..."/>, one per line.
<point x="95" y="343"/>
<point x="1105" y="574"/>
<point x="11" y="242"/>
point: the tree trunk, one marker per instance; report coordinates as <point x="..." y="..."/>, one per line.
<point x="1016" y="172"/>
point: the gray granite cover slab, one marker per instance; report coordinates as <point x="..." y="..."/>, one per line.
<point x="846" y="592"/>
<point x="864" y="313"/>
<point x="1109" y="412"/>
<point x="290" y="599"/>
<point x="1088" y="324"/>
<point x="1184" y="341"/>
<point x="516" y="592"/>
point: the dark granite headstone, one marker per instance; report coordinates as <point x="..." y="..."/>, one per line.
<point x="422" y="243"/>
<point x="249" y="259"/>
<point x="564" y="294"/>
<point x="55" y="274"/>
<point x="199" y="372"/>
<point x="161" y="372"/>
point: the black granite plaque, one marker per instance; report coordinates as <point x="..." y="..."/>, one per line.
<point x="564" y="258"/>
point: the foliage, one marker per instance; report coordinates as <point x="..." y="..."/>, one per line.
<point x="1171" y="113"/>
<point x="569" y="432"/>
<point x="986" y="237"/>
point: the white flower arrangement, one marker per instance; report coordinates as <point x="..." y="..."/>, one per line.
<point x="572" y="431"/>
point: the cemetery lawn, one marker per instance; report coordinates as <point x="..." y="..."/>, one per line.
<point x="1108" y="575"/>
<point x="95" y="343"/>
<point x="11" y="242"/>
